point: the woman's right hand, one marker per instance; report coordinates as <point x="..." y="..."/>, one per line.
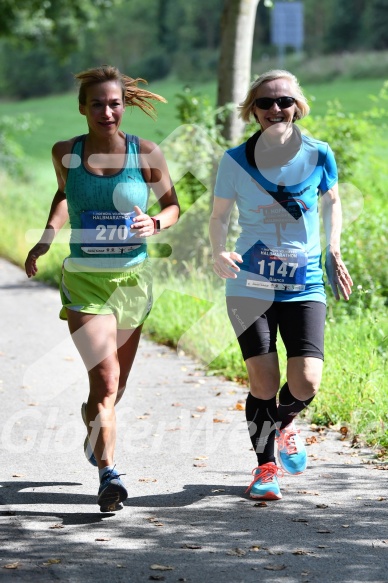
<point x="30" y="264"/>
<point x="224" y="264"/>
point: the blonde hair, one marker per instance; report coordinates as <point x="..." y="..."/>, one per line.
<point x="302" y="107"/>
<point x="131" y="93"/>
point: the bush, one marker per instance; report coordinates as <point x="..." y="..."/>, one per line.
<point x="11" y="153"/>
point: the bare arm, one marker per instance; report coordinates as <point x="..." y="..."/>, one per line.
<point x="156" y="174"/>
<point x="337" y="273"/>
<point x="58" y="214"/>
<point x="223" y="261"/>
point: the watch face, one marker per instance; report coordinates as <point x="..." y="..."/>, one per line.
<point x="157" y="224"/>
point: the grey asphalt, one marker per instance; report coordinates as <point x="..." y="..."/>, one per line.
<point x="184" y="448"/>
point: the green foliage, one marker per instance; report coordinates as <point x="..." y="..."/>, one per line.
<point x="346" y="133"/>
<point x="59" y="21"/>
<point x="11" y="153"/>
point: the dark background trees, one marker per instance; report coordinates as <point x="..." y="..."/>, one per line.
<point x="42" y="43"/>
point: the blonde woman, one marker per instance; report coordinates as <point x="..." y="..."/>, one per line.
<point x="274" y="279"/>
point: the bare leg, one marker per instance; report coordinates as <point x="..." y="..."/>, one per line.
<point x="108" y="355"/>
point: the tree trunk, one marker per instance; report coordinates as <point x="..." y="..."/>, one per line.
<point x="234" y="70"/>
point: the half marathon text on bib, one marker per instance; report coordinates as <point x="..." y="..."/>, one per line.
<point x="106" y="232"/>
<point x="280" y="268"/>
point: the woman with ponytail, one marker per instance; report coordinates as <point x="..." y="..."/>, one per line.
<point x="104" y="179"/>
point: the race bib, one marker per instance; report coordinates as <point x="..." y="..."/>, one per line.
<point x="106" y="232"/>
<point x="280" y="268"/>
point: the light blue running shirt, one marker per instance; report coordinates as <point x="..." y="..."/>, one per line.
<point x="107" y="196"/>
<point x="278" y="216"/>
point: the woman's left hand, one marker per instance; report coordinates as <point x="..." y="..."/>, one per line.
<point x="338" y="275"/>
<point x="142" y="224"/>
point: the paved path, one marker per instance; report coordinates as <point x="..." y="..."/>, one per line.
<point x="186" y="474"/>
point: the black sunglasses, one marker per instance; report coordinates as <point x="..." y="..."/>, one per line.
<point x="267" y="102"/>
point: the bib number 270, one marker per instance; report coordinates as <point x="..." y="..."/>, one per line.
<point x="112" y="232"/>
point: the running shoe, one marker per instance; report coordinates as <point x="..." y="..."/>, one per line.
<point x="87" y="447"/>
<point x="292" y="453"/>
<point x="265" y="485"/>
<point x="111" y="491"/>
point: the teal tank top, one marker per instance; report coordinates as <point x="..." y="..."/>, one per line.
<point x="118" y="192"/>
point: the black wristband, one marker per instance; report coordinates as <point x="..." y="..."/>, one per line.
<point x="156" y="222"/>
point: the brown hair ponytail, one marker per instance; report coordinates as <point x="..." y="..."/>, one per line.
<point x="132" y="94"/>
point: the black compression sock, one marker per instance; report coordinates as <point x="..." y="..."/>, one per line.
<point x="289" y="406"/>
<point x="261" y="417"/>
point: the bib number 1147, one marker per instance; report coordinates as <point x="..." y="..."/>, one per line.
<point x="282" y="269"/>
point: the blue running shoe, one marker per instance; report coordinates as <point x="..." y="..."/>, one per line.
<point x="292" y="453"/>
<point x="87" y="447"/>
<point x="265" y="485"/>
<point x="111" y="492"/>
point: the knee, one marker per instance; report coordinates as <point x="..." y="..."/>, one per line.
<point x="305" y="388"/>
<point x="103" y="383"/>
<point x="264" y="388"/>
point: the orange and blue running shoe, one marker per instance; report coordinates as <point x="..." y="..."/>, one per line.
<point x="265" y="485"/>
<point x="292" y="454"/>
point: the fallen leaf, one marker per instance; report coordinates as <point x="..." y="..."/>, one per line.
<point x="275" y="567"/>
<point x="201" y="409"/>
<point x="200" y="465"/>
<point x="236" y="552"/>
<point x="155" y="521"/>
<point x="381" y="499"/>
<point x="68" y="358"/>
<point x="18" y="475"/>
<point x="57" y="526"/>
<point x="218" y="490"/>
<point x="255" y="548"/>
<point x="271" y="552"/>
<point x="189" y="546"/>
<point x="11" y="565"/>
<point x="323" y="547"/>
<point x="301" y="552"/>
<point x="156" y="567"/>
<point x="239" y="406"/>
<point x="308" y="492"/>
<point x="145" y="416"/>
<point x="322" y="506"/>
<point x="177" y="405"/>
<point x="311" y="440"/>
<point x="299" y="520"/>
<point x="344" y="430"/>
<point x="345" y="525"/>
<point x="102" y="539"/>
<point x="148" y="480"/>
<point x="323" y="531"/>
<point x="216" y="420"/>
<point x="201" y="457"/>
<point x="53" y="562"/>
<point x="260" y="504"/>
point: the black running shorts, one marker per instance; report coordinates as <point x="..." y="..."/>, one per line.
<point x="300" y="324"/>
